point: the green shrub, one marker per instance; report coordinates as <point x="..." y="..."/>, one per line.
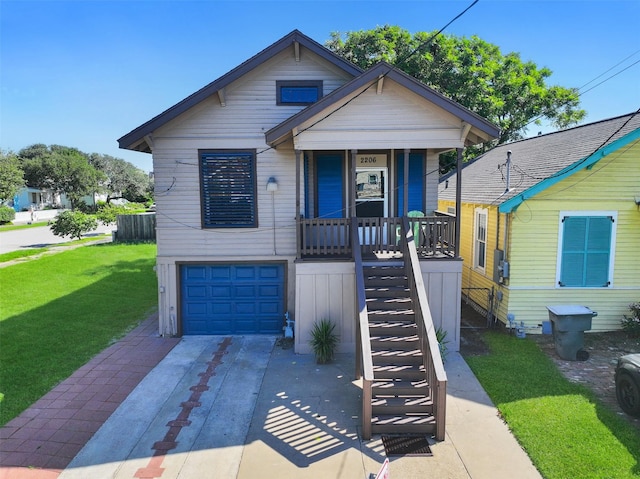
<point x="323" y="340"/>
<point x="7" y="214"/>
<point x="108" y="213"/>
<point x="631" y="324"/>
<point x="74" y="224"/>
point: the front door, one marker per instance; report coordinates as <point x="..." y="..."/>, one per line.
<point x="371" y="192"/>
<point x="371" y="199"/>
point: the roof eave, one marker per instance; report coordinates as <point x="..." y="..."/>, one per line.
<point x="134" y="140"/>
<point x="512" y="204"/>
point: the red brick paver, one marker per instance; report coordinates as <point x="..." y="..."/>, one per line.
<point x="44" y="439"/>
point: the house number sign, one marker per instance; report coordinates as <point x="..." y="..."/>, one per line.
<point x="363" y="160"/>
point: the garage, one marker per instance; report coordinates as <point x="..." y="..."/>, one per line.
<point x="239" y="298"/>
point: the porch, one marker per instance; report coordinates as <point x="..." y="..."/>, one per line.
<point x="379" y="237"/>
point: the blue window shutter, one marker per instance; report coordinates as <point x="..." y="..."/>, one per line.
<point x="329" y="177"/>
<point x="586" y="248"/>
<point x="416" y="182"/>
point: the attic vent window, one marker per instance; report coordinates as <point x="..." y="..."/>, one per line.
<point x="298" y="92"/>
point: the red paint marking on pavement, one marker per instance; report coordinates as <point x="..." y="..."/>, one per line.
<point x="154" y="468"/>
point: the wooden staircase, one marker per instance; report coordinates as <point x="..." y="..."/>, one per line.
<point x="400" y="398"/>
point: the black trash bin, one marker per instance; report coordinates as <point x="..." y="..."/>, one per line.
<point x="568" y="324"/>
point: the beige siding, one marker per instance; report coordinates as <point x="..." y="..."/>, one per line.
<point x="325" y="291"/>
<point x="415" y="123"/>
<point x="442" y="281"/>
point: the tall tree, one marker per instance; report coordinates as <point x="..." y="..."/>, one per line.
<point x="121" y="178"/>
<point x="499" y="87"/>
<point x="11" y="175"/>
<point x="62" y="169"/>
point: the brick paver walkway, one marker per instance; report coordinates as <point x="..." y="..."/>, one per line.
<point x="44" y="439"/>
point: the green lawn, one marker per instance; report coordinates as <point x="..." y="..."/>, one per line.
<point x="564" y="429"/>
<point x="59" y="311"/>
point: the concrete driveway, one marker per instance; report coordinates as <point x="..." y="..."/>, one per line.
<point x="245" y="407"/>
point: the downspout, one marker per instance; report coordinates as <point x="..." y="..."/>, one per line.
<point x="458" y="199"/>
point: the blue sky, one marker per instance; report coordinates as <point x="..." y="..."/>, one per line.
<point x="84" y="73"/>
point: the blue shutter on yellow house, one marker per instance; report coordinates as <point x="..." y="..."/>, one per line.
<point x="416" y="182"/>
<point x="329" y="177"/>
<point x="586" y="249"/>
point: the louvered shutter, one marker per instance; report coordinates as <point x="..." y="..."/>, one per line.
<point x="586" y="249"/>
<point x="228" y="189"/>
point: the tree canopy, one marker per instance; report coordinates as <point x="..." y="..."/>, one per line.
<point x="68" y="170"/>
<point x="11" y="175"/>
<point x="500" y="87"/>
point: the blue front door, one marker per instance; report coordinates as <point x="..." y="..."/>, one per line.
<point x="243" y="298"/>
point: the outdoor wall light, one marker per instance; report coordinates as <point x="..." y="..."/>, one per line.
<point x="272" y="184"/>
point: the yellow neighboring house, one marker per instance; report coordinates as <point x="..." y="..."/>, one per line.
<point x="552" y="220"/>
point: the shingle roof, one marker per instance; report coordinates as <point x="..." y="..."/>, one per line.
<point x="135" y="139"/>
<point x="538" y="162"/>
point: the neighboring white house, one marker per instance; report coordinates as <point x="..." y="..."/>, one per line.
<point x="259" y="174"/>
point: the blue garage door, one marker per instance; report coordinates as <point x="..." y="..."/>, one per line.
<point x="232" y="298"/>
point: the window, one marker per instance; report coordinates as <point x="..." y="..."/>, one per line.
<point x="480" y="239"/>
<point x="228" y="189"/>
<point x="585" y="253"/>
<point x="298" y="92"/>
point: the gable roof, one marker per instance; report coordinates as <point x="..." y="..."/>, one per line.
<point x="135" y="139"/>
<point x="333" y="101"/>
<point x="538" y="163"/>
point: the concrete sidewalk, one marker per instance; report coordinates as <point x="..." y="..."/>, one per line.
<point x="244" y="407"/>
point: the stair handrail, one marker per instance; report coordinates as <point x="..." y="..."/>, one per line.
<point x="364" y="361"/>
<point x="434" y="367"/>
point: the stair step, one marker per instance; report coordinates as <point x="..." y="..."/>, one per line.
<point x="406" y="372"/>
<point x="386" y="315"/>
<point x="387" y="406"/>
<point x="403" y="424"/>
<point x="388" y="269"/>
<point x="391" y="328"/>
<point x="396" y="357"/>
<point x="400" y="387"/>
<point x="400" y="343"/>
<point x="388" y="304"/>
<point x="386" y="291"/>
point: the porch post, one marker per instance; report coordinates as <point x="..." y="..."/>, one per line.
<point x="351" y="189"/>
<point x="298" y="238"/>
<point x="405" y="186"/>
<point x="458" y="198"/>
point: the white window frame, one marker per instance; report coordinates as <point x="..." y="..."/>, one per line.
<point x="612" y="246"/>
<point x="477" y="214"/>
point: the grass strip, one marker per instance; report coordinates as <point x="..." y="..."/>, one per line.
<point x="59" y="311"/>
<point x="28" y="252"/>
<point x="565" y="430"/>
<point x="12" y="227"/>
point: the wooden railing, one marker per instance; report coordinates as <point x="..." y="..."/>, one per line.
<point x="332" y="238"/>
<point x="432" y="360"/>
<point x="364" y="361"/>
<point x="325" y="238"/>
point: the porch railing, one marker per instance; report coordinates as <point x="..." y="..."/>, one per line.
<point x="432" y="360"/>
<point x="331" y="238"/>
<point x="364" y="361"/>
